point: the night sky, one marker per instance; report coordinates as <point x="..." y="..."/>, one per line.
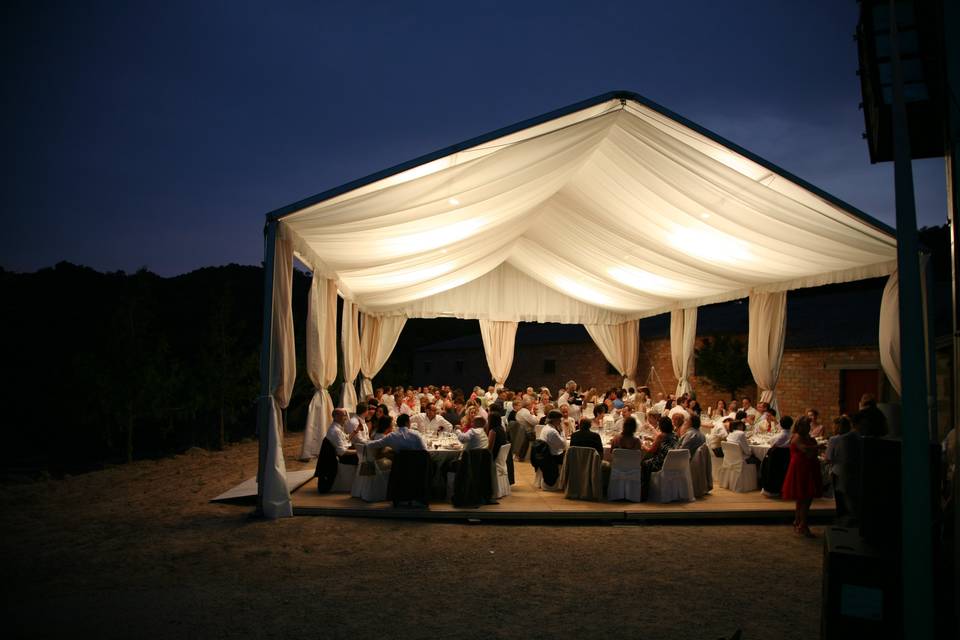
<point x="158" y="134"/>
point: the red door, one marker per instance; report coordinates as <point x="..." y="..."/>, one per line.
<point x="855" y="383"/>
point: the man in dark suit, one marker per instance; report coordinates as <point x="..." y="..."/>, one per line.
<point x="583" y="437"/>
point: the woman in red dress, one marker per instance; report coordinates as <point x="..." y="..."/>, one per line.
<point x="803" y="475"/>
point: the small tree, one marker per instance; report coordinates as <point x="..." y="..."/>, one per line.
<point x="722" y="360"/>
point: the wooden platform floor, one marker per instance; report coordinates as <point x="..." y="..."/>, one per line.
<point x="529" y="503"/>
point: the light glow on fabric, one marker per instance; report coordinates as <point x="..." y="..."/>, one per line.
<point x="581" y="292"/>
<point x="712" y="245"/>
<point x="640" y="280"/>
<point x="433" y="238"/>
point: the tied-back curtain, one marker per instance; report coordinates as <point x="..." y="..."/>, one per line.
<point x="683" y="336"/>
<point x="379" y="337"/>
<point x="321" y="340"/>
<point x="889" y="330"/>
<point x="768" y="328"/>
<point x="620" y="345"/>
<point x="283" y="368"/>
<point x="350" y="344"/>
<point x="889" y="333"/>
<point x="498" y="340"/>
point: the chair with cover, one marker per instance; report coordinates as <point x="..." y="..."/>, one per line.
<point x="580" y="474"/>
<point x="700" y="470"/>
<point x="547" y="475"/>
<point x="736" y="475"/>
<point x="473" y="483"/>
<point x="773" y="470"/>
<point x="625" y="475"/>
<point x="673" y="481"/>
<point x="373" y="476"/>
<point x="409" y="477"/>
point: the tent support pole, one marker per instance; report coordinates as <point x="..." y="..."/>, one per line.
<point x="917" y="542"/>
<point x="265" y="400"/>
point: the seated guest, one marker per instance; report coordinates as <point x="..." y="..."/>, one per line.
<point x="679" y="420"/>
<point x="627" y="439"/>
<point x="782" y="439"/>
<point x="338" y="438"/>
<point x="452" y="411"/>
<point x="618" y="399"/>
<point x="768" y="419"/>
<point x="747" y="408"/>
<point x="384" y="426"/>
<point x="567" y="423"/>
<point x="584" y="437"/>
<point x="739" y="437"/>
<point x="551" y="435"/>
<point x="496" y="434"/>
<point x="625" y="413"/>
<point x="651" y="426"/>
<point x="599" y="415"/>
<point x="430" y="422"/>
<point x="476" y="436"/>
<point x="719" y="434"/>
<point x="400" y="439"/>
<point x="528" y="422"/>
<point x="656" y="453"/>
<point x="816" y="428"/>
<point x="692" y="438"/>
<point x="660" y="405"/>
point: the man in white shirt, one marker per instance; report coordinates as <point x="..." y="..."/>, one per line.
<point x="739" y="437"/>
<point x="338" y="438"/>
<point x="680" y="408"/>
<point x="782" y="439"/>
<point x="529" y="422"/>
<point x="718" y="434"/>
<point x="551" y="434"/>
<point x="474" y="437"/>
<point x="748" y="408"/>
<point x="430" y="422"/>
<point x="659" y="405"/>
<point x="650" y="426"/>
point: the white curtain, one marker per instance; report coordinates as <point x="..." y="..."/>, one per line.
<point x="683" y="337"/>
<point x="620" y="345"/>
<point x="768" y="328"/>
<point x="276" y="497"/>
<point x="377" y="341"/>
<point x="889" y="334"/>
<point x="498" y="341"/>
<point x="350" y="345"/>
<point x="321" y="339"/>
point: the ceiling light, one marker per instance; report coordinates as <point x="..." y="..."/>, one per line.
<point x="453" y="201"/>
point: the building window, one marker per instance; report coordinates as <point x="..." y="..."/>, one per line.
<point x="549" y="365"/>
<point x="427" y="366"/>
<point x="458" y="366"/>
<point x="612" y="370"/>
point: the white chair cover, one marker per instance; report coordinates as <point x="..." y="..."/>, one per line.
<point x="370" y="488"/>
<point x="734" y="474"/>
<point x="344" y="480"/>
<point x="501" y="478"/>
<point x="673" y="481"/>
<point x="625" y="475"/>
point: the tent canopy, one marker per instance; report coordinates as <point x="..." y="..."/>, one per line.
<point x="609" y="210"/>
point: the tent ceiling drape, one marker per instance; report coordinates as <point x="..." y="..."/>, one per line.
<point x="609" y="213"/>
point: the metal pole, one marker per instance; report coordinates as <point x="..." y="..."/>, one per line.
<point x="265" y="401"/>
<point x="916" y="547"/>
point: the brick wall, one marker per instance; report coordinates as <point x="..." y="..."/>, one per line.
<point x="808" y="377"/>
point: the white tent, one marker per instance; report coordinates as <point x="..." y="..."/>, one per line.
<point x="601" y="213"/>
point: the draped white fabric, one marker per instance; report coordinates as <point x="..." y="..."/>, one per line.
<point x="350" y="347"/>
<point x="683" y="337"/>
<point x="618" y="208"/>
<point x="499" y="338"/>
<point x="620" y="345"/>
<point x="377" y="340"/>
<point x="889" y="334"/>
<point x="321" y="339"/>
<point x="768" y="329"/>
<point x="276" y="498"/>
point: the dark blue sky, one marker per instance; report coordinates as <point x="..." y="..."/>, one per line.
<point x="158" y="134"/>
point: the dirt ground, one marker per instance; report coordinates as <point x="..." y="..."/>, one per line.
<point x="138" y="551"/>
